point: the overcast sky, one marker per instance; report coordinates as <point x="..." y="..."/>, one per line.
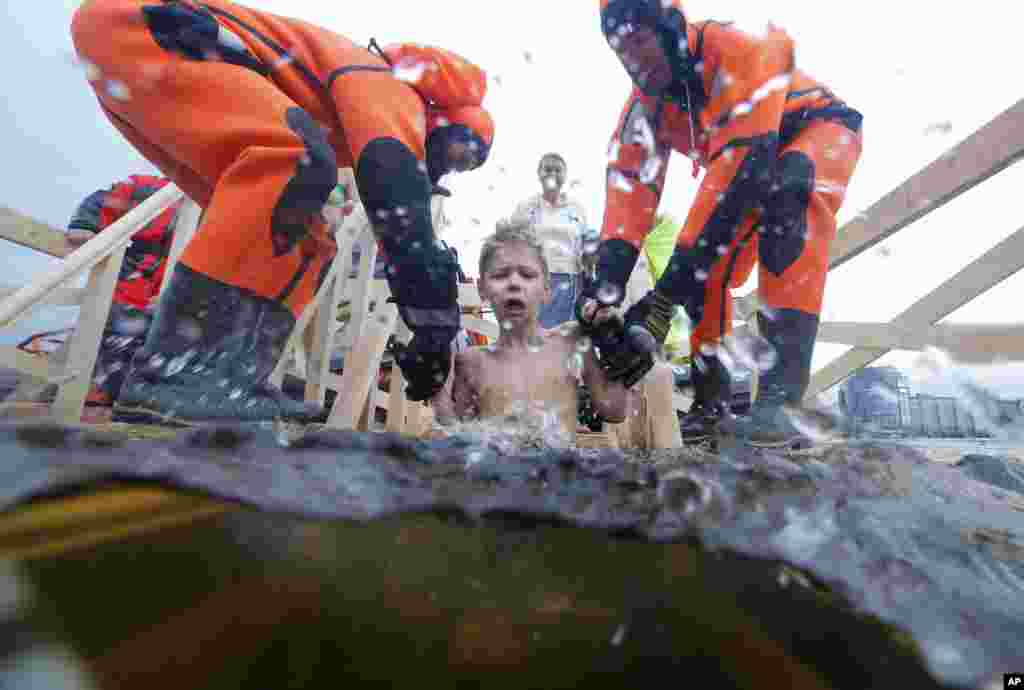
<point x="924" y="79"/>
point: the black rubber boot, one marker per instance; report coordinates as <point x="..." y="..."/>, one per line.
<point x="711" y="392"/>
<point x="208" y="356"/>
<point x="774" y="419"/>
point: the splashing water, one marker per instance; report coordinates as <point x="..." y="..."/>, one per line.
<point x="937" y="366"/>
<point x="752" y="352"/>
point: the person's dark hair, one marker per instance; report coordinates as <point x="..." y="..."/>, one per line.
<point x="552" y="156"/>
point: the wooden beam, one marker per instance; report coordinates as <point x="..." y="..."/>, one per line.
<point x="989" y="150"/>
<point x="973" y="343"/>
<point x="84" y="344"/>
<point x="27" y="232"/>
<point x="988" y="270"/>
<point x="59" y="297"/>
<point x="992" y="148"/>
<point x="89" y="254"/>
<point x="361" y="366"/>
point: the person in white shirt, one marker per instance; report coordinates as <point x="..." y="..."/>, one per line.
<point x="559" y="222"/>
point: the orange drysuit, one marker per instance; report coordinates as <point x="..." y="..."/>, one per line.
<point x="251" y="114"/>
<point x="778" y="149"/>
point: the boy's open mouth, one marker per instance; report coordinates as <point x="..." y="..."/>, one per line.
<point x="515" y="304"/>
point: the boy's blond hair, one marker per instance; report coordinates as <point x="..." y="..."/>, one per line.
<point x="506" y="231"/>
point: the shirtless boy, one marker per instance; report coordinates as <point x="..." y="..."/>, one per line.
<point x="530" y="371"/>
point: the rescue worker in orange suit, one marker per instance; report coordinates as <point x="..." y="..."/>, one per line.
<point x="142" y="274"/>
<point x="251" y="114"/>
<point x="778" y="150"/>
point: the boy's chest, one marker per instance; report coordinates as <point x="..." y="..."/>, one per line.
<point x="534" y="384"/>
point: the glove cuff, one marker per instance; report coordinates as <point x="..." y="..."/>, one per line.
<point x="615" y="262"/>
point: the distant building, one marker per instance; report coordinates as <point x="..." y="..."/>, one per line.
<point x="878" y="400"/>
<point x="875" y="398"/>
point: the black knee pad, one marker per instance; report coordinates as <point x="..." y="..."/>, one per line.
<point x="316" y="176"/>
<point x="784" y="222"/>
<point x="395" y="190"/>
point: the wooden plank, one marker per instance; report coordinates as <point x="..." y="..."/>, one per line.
<point x="361" y="367"/>
<point x="88" y="255"/>
<point x="969" y="343"/>
<point x="988" y="270"/>
<point x="27" y="232"/>
<point x="662" y="424"/>
<point x="325" y="322"/>
<point x="189" y="217"/>
<point x="364" y="289"/>
<point x="990" y="149"/>
<point x="84" y="346"/>
<point x="987" y="151"/>
<point x="59" y="297"/>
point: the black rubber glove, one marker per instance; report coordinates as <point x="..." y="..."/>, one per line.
<point x="648" y="321"/>
<point x="626" y="348"/>
<point x="619" y="357"/>
<point x="425" y="362"/>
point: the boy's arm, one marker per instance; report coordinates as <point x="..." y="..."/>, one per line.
<point x="443" y="402"/>
<point x="459" y="398"/>
<point x="610" y="398"/>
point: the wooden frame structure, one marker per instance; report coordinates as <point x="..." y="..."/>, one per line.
<point x="991" y="149"/>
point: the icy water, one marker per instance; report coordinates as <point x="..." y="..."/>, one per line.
<point x="952" y="449"/>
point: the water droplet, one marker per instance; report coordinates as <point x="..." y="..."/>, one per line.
<point x="118" y="89"/>
<point x="619" y="181"/>
<point x="608" y="294"/>
<point x="409" y="71"/>
<point x="700" y="275"/>
<point x="235" y="393"/>
<point x="283" y="61"/>
<point x="651" y="168"/>
<point x="506" y="325"/>
<point x="942" y="128"/>
<point x="619" y="635"/>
